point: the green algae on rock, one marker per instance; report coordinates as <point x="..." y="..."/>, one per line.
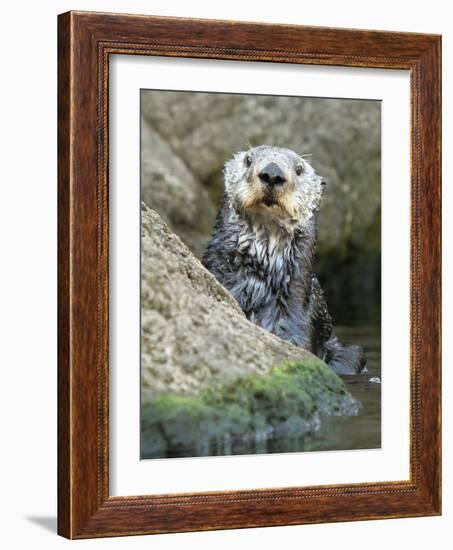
<point x="240" y="416"/>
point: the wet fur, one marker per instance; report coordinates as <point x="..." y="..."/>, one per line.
<point x="262" y="251"/>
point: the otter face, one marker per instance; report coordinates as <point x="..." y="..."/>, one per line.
<point x="273" y="183"/>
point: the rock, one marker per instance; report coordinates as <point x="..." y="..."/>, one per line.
<point x="194" y="333"/>
<point x="169" y="187"/>
<point x="212" y="382"/>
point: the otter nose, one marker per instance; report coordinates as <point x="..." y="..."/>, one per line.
<point x="272" y="175"/>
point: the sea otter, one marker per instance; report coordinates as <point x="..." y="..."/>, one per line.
<point x="263" y="248"/>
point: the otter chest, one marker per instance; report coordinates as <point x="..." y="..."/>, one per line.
<point x="265" y="268"/>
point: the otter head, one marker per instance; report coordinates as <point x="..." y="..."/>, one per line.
<point x="273" y="185"/>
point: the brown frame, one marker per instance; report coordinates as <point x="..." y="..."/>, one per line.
<point x="85" y="42"/>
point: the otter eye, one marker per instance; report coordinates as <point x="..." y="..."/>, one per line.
<point x="248" y="161"/>
<point x="299" y="169"/>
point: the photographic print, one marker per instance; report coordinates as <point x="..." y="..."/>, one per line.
<point x="221" y="298"/>
<point x="260" y="274"/>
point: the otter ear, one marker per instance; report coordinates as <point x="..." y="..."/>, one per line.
<point x="322" y="188"/>
<point x="231" y="170"/>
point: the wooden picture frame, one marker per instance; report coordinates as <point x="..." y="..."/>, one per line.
<point x="85" y="42"/>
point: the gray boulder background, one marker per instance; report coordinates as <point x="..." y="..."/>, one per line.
<point x="187" y="137"/>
